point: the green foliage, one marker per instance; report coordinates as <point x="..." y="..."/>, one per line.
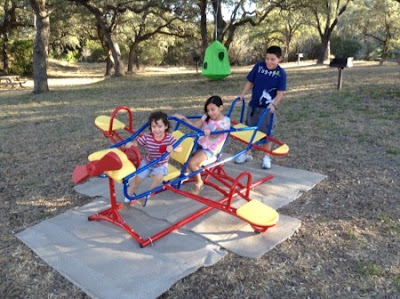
<point x="173" y="55"/>
<point x="151" y="52"/>
<point x="345" y="46"/>
<point x="177" y="54"/>
<point x="93" y="52"/>
<point x="21" y="57"/>
<point x="384" y="218"/>
<point x="351" y="236"/>
<point x="393" y="151"/>
<point x="396" y="283"/>
<point x="310" y="47"/>
<point x="395" y="228"/>
<point x="71" y="56"/>
<point x="369" y="269"/>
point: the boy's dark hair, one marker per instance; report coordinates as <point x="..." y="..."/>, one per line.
<point x="155" y="116"/>
<point x="275" y="50"/>
<point x="216" y="100"/>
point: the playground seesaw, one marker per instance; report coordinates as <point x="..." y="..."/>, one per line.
<point x="115" y="164"/>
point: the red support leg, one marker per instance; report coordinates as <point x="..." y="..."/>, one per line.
<point x="112" y="214"/>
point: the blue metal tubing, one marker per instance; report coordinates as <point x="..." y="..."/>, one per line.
<point x="132" y="137"/>
<point x="196" y="135"/>
<point x="128" y="177"/>
<point x="180" y="178"/>
<point x="206" y="167"/>
<point x="271" y="121"/>
<point x="260" y="120"/>
<point x="234" y="102"/>
<point x="180" y="121"/>
<point x="161" y="158"/>
<point x="141" y="129"/>
<point x="233" y="106"/>
<point x="265" y="112"/>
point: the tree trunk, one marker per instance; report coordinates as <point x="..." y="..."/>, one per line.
<point x="114" y="48"/>
<point x="107" y="32"/>
<point x="133" y="57"/>
<point x="4" y="53"/>
<point x="322" y="51"/>
<point x="109" y="65"/>
<point x="286" y="50"/>
<point x="328" y="51"/>
<point x="40" y="48"/>
<point x="384" y="54"/>
<point x="203" y="25"/>
<point x="219" y="22"/>
<point x="116" y="54"/>
<point x="229" y="40"/>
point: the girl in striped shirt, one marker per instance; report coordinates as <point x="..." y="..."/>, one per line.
<point x="156" y="143"/>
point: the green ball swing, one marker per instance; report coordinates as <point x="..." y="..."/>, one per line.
<point x="216" y="64"/>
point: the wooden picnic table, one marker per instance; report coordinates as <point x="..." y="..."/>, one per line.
<point x="11" y="80"/>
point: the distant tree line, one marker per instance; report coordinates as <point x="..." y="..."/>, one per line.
<point x="126" y="34"/>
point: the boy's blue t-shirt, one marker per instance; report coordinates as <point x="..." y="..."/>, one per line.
<point x="265" y="84"/>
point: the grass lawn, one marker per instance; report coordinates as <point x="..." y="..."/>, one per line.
<point x="348" y="245"/>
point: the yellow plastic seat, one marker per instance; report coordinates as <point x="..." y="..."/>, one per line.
<point x="181" y="157"/>
<point x="103" y="123"/>
<point x="246" y="135"/>
<point x="173" y="173"/>
<point x="258" y="213"/>
<point x="117" y="175"/>
<point x="187" y="146"/>
<point x="282" y="150"/>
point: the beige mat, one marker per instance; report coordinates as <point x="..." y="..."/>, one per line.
<point x="219" y="227"/>
<point x="105" y="262"/>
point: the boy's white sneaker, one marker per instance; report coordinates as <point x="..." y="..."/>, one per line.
<point x="266" y="162"/>
<point x="243" y="158"/>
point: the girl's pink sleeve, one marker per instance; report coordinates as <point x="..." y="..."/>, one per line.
<point x="225" y="125"/>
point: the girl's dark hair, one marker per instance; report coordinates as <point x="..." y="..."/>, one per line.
<point x="216" y="100"/>
<point x="155" y="116"/>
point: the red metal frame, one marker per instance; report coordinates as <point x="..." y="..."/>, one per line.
<point x="228" y="186"/>
<point x="114" y="136"/>
<point x="112" y="214"/>
<point x="234" y="185"/>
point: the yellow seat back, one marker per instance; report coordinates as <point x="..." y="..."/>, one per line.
<point x="103" y="123"/>
<point x="187" y="146"/>
<point x="247" y="134"/>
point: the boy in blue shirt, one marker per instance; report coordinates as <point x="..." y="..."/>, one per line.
<point x="268" y="82"/>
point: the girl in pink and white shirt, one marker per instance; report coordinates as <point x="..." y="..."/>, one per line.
<point x="208" y="145"/>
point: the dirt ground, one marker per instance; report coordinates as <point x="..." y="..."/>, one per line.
<point x="349" y="243"/>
